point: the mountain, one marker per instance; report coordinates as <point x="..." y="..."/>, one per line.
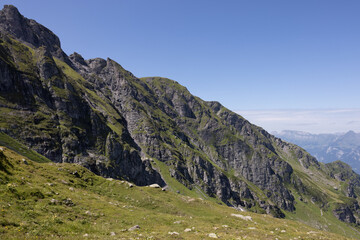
<point x="153" y="130"/>
<point x="328" y="147"/>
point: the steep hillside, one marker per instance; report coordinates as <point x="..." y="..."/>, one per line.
<point x="47" y="105"/>
<point x="66" y="201"/>
<point x="152" y="130"/>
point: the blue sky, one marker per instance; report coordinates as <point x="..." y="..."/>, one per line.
<point x="258" y="55"/>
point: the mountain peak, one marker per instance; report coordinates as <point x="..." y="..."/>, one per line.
<point x="350" y="139"/>
<point x="77" y="58"/>
<point x="29" y="32"/>
<point x="350" y="133"/>
<point x="11" y="11"/>
<point x="11" y="21"/>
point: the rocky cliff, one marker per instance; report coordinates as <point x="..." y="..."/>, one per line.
<point x="152" y="130"/>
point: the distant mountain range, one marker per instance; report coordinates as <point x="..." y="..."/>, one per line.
<point x="327" y="147"/>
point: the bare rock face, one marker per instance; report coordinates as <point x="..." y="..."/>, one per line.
<point x="350" y="192"/>
<point x="344" y="214"/>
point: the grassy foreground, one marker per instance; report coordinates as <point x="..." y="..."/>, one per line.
<point x="66" y="201"/>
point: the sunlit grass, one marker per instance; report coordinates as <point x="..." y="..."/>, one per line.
<point x="66" y="201"/>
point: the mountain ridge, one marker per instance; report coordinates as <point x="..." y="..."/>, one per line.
<point x="152" y="130"/>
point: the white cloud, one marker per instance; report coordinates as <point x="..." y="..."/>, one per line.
<point x="314" y="121"/>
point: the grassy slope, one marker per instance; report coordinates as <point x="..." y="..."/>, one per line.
<point x="34" y="203"/>
<point x="14" y="145"/>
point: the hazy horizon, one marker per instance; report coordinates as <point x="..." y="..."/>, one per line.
<point x="306" y="120"/>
